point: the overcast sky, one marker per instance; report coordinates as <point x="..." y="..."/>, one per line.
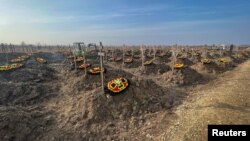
<point x="125" y="21"/>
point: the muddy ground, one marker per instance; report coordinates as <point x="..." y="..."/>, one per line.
<point x="53" y="102"/>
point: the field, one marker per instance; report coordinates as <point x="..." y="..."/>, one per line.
<point x="173" y="93"/>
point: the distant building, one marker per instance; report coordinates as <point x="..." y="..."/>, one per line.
<point x="223" y="46"/>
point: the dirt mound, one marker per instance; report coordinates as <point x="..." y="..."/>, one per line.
<point x="45" y="102"/>
<point x="155" y="69"/>
<point x="134" y="64"/>
<point x="29" y="72"/>
<point x="223" y="67"/>
<point x="9" y="56"/>
<point x="164" y="59"/>
<point x="237" y="59"/>
<point x="50" y="57"/>
<point x="19" y="123"/>
<point x="32" y="70"/>
<point x="214" y="67"/>
<point x="184" y="76"/>
<point x="91" y="115"/>
<point x="90" y="82"/>
<point x="195" y="59"/>
<point x="186" y="61"/>
<point x="160" y="60"/>
<point x="26" y="93"/>
<point x="209" y="56"/>
<point x="32" y="84"/>
<point x="207" y="68"/>
<point x="219" y="102"/>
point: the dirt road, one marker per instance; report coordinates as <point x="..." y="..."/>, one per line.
<point x="223" y="101"/>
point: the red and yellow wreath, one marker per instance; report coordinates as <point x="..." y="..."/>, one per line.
<point x="10" y="67"/>
<point x="117" y="85"/>
<point x="96" y="70"/>
<point x="178" y="66"/>
<point x="84" y="66"/>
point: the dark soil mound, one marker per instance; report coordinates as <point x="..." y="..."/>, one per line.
<point x="155" y="69"/>
<point x="32" y="84"/>
<point x="51" y="57"/>
<point x="9" y="56"/>
<point x="195" y="59"/>
<point x="26" y="93"/>
<point x="184" y="76"/>
<point x="29" y="72"/>
<point x="19" y="123"/>
<point x="209" y="68"/>
<point x="91" y="82"/>
<point x="92" y="115"/>
<point x="186" y="61"/>
<point x="134" y="64"/>
<point x="43" y="102"/>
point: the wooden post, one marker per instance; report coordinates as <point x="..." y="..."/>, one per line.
<point x="69" y="49"/>
<point x="204" y="53"/>
<point x="2" y="47"/>
<point x="26" y="49"/>
<point x="221" y="51"/>
<point x="123" y="55"/>
<point x="112" y="52"/>
<point x="173" y="60"/>
<point x="74" y="58"/>
<point x="12" y="49"/>
<point x="6" y="55"/>
<point x="23" y="48"/>
<point x="32" y="49"/>
<point x="142" y="56"/>
<point x="192" y="50"/>
<point x="154" y="52"/>
<point x="231" y="49"/>
<point x="84" y="58"/>
<point x="106" y="54"/>
<point x="102" y="69"/>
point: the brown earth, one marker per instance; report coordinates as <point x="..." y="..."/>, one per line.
<point x="223" y="101"/>
<point x="51" y="102"/>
